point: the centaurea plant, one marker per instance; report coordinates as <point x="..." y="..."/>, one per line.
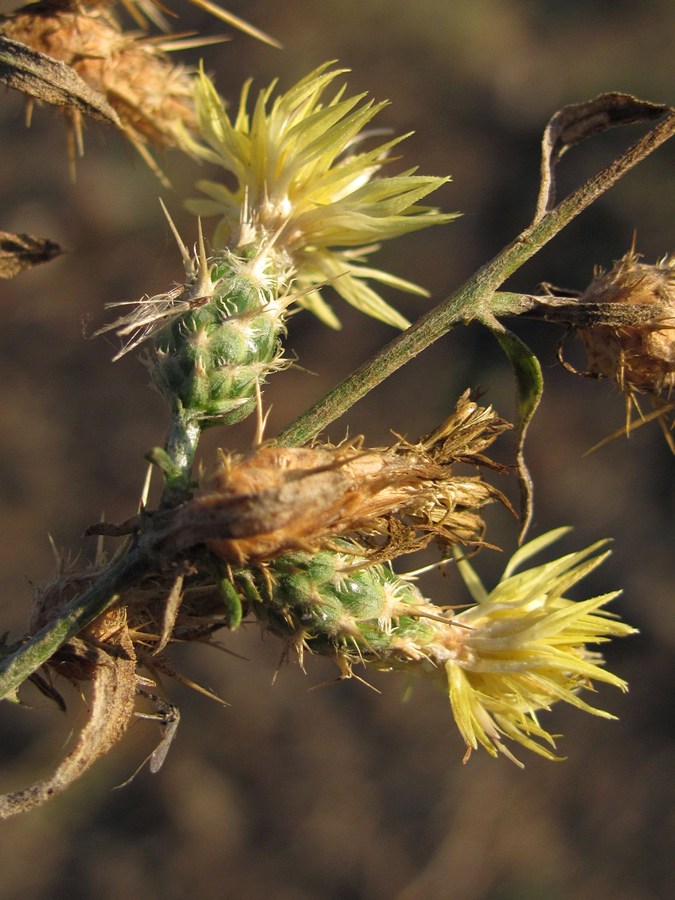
<point x="304" y="536"/>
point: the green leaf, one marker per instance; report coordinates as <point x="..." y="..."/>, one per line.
<point x="529" y="388"/>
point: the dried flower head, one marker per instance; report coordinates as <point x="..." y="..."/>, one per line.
<point x="391" y="500"/>
<point x="305" y="193"/>
<point x="149" y="93"/>
<point x="626" y="323"/>
<point x="637" y="357"/>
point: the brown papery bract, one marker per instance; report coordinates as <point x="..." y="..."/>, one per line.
<point x="393" y="500"/>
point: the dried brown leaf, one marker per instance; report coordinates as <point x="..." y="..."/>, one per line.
<point x="112" y="706"/>
<point x="579" y="121"/>
<point x="19" y="252"/>
<point x="47" y="79"/>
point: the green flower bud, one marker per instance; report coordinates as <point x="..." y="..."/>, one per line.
<point x="213" y="340"/>
<point x="213" y="357"/>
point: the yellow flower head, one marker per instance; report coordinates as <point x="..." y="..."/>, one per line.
<point x="304" y="191"/>
<point x="524" y="646"/>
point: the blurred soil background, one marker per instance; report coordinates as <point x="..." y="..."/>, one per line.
<point x="343" y="793"/>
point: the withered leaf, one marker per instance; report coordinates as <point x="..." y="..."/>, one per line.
<point x="19" y="252"/>
<point x="48" y="79"/>
<point x="578" y="121"/>
<point x="112" y="706"/>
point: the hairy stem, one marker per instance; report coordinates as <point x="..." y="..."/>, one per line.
<point x="182" y="439"/>
<point x="475" y="299"/>
<point x="180" y="446"/>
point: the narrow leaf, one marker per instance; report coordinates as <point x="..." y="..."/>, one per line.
<point x="529" y="388"/>
<point x="579" y="121"/>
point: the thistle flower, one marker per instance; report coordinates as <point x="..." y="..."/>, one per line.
<point x="514" y="653"/>
<point x="524" y="646"/>
<point x="305" y="193"/>
<point x="304" y="206"/>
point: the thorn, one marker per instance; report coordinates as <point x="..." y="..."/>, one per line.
<point x="57" y="553"/>
<point x="261" y="418"/>
<point x="204" y="286"/>
<point x="145" y="492"/>
<point x="230" y="19"/>
<point x="185" y="255"/>
<point x="147" y="157"/>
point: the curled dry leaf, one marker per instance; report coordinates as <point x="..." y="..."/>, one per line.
<point x="19" y="252"/>
<point x="112" y="705"/>
<point x="578" y="121"/>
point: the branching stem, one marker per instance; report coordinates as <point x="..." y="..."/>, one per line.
<point x="475" y="299"/>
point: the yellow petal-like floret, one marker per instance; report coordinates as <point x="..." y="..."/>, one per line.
<point x="303" y="189"/>
<point x="524" y="646"/>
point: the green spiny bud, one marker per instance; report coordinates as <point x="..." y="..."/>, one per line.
<point x="338" y="604"/>
<point x="213" y="357"/>
<point x="215" y="338"/>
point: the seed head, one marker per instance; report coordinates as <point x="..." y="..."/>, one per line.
<point x="150" y="94"/>
<point x="639" y="358"/>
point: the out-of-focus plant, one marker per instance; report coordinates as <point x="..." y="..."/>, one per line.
<point x="302" y="535"/>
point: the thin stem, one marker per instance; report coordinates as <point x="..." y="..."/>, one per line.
<point x="180" y="447"/>
<point x="472" y="300"/>
<point x="570" y="311"/>
<point x="182" y="440"/>
<point x="16" y="667"/>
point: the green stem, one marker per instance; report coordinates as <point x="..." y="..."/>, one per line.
<point x="16" y="667"/>
<point x="182" y="439"/>
<point x="180" y="447"/>
<point x="473" y="300"/>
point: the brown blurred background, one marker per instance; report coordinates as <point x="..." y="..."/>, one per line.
<point x="341" y="793"/>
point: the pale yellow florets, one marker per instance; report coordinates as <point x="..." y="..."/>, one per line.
<point x="302" y="189"/>
<point x="524" y="646"/>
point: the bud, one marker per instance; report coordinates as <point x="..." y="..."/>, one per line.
<point x="213" y="358"/>
<point x="213" y="340"/>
